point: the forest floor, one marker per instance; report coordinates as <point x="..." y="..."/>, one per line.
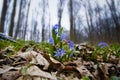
<point x="27" y="60"/>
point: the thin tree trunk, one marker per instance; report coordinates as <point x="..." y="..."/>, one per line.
<point x="11" y="28"/>
<point x="49" y="25"/>
<point x="18" y="24"/>
<point x="59" y="16"/>
<point x="3" y="14"/>
<point x="26" y="22"/>
<point x="61" y="5"/>
<point x="43" y="21"/>
<point x="71" y="20"/>
<point x="59" y="22"/>
<point x="115" y="18"/>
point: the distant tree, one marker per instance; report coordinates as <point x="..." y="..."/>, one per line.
<point x="106" y="23"/>
<point x="11" y="28"/>
<point x="89" y="16"/>
<point x="43" y="19"/>
<point x="71" y="20"/>
<point x="78" y="30"/>
<point x="18" y="22"/>
<point x="26" y="21"/>
<point x="61" y="4"/>
<point x="49" y="30"/>
<point x="98" y="22"/>
<point x="115" y="16"/>
<point x="3" y="14"/>
<point x="74" y="8"/>
<point x="34" y="31"/>
<point x="44" y="23"/>
<point x="21" y="20"/>
<point x="77" y="20"/>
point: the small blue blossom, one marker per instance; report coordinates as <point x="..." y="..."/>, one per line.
<point x="51" y="41"/>
<point x="102" y="44"/>
<point x="59" y="52"/>
<point x="56" y="26"/>
<point x="71" y="44"/>
<point x="63" y="37"/>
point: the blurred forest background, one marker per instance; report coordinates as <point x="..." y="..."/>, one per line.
<point x="88" y="20"/>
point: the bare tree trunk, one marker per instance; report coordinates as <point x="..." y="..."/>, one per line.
<point x="61" y="4"/>
<point x="59" y="16"/>
<point x="59" y="22"/>
<point x="35" y="31"/>
<point x="43" y="21"/>
<point x="88" y="24"/>
<point x="89" y="20"/>
<point x="11" y="28"/>
<point x="49" y="24"/>
<point x="115" y="18"/>
<point x="71" y="20"/>
<point x="4" y="10"/>
<point x="26" y="22"/>
<point x="18" y="27"/>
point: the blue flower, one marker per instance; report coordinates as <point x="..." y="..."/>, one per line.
<point x="71" y="44"/>
<point x="102" y="44"/>
<point x="59" y="52"/>
<point x="56" y="26"/>
<point x="51" y="41"/>
<point x="63" y="37"/>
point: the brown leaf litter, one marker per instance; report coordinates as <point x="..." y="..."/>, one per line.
<point x="38" y="65"/>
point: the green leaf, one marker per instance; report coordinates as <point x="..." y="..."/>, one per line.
<point x="51" y="51"/>
<point x="58" y="37"/>
<point x="85" y="78"/>
<point x="54" y="36"/>
<point x="60" y="31"/>
<point x="114" y="78"/>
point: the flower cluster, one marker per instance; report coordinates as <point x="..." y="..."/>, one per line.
<point x="63" y="48"/>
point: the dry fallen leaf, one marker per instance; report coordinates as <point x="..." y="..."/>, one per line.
<point x="6" y="68"/>
<point x="101" y="72"/>
<point x="42" y="61"/>
<point x="35" y="58"/>
<point x="84" y="72"/>
<point x="11" y="75"/>
<point x="35" y="71"/>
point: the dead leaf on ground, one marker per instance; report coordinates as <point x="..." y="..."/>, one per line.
<point x="35" y="58"/>
<point x="11" y="75"/>
<point x="35" y="71"/>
